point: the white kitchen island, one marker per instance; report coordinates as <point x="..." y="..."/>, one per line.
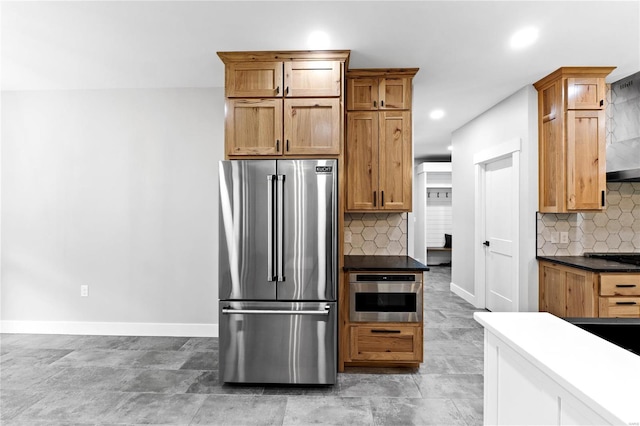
<point x="542" y="370"/>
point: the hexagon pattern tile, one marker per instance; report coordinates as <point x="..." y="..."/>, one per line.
<point x="616" y="229"/>
<point x="375" y="234"/>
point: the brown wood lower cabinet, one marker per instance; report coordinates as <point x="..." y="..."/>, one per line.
<point x="619" y="295"/>
<point x="377" y="344"/>
<point x="574" y="292"/>
<point x="386" y="342"/>
<point x="567" y="292"/>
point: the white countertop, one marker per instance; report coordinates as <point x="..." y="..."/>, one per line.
<point x="601" y="374"/>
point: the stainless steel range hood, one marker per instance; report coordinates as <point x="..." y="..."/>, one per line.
<point x="623" y="148"/>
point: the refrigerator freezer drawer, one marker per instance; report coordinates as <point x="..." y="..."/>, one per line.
<point x="278" y="342"/>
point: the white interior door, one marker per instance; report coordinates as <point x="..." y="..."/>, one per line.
<point x="500" y="205"/>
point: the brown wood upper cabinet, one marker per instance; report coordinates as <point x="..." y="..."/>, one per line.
<point x="571" y="139"/>
<point x="294" y="78"/>
<point x="367" y="91"/>
<point x="284" y="103"/>
<point x="379" y="159"/>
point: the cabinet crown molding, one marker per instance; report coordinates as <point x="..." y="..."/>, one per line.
<point x="285" y="55"/>
<point x="563" y="72"/>
<point x="381" y="72"/>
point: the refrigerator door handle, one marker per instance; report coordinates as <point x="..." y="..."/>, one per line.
<point x="280" y="229"/>
<point x="270" y="269"/>
<point x="230" y="311"/>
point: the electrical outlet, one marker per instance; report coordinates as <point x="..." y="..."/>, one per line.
<point x="84" y="290"/>
<point x="564" y="238"/>
<point x="554" y="237"/>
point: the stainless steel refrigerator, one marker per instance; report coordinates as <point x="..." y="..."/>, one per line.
<point x="278" y="271"/>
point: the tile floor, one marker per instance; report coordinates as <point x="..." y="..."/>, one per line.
<point x="108" y="380"/>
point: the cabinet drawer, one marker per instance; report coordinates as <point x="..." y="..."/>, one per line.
<point x="386" y="343"/>
<point x="620" y="284"/>
<point x="619" y="307"/>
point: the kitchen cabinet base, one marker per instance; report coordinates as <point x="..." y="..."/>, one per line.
<point x="379" y="364"/>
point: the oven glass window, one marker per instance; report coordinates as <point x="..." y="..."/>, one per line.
<point x="386" y="302"/>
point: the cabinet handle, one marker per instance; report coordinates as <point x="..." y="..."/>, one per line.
<point x="277" y="90"/>
<point x="287" y="145"/>
<point x="286" y="90"/>
<point x="386" y="331"/>
<point x="625" y="285"/>
<point x="602" y="198"/>
<point x="375" y="198"/>
<point x="382" y="198"/>
<point x="381" y="103"/>
<point x="625" y="303"/>
<point x="601" y="102"/>
<point x="375" y="104"/>
<point x="277" y="145"/>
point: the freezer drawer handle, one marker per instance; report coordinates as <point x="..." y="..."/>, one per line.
<point x="229" y="311"/>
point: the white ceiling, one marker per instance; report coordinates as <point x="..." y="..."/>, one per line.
<point x="461" y="48"/>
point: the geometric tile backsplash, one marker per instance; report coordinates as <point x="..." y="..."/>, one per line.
<point x="615" y="229"/>
<point x="375" y="234"/>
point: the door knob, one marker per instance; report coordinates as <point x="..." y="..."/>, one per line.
<point x="486" y="243"/>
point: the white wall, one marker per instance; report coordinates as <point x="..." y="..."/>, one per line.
<point x="117" y="190"/>
<point x="514" y="117"/>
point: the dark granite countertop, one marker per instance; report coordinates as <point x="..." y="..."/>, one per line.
<point x="383" y="263"/>
<point x="591" y="264"/>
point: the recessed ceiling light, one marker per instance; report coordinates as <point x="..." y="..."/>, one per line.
<point x="524" y="37"/>
<point x="318" y="40"/>
<point x="436" y="114"/>
<point x="450" y="147"/>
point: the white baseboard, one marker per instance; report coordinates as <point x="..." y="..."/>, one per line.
<point x="109" y="328"/>
<point x="456" y="289"/>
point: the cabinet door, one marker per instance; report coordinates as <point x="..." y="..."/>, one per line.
<point x="553" y="290"/>
<point x="386" y="343"/>
<point x="312" y="78"/>
<point x="396" y="161"/>
<point x="585" y="93"/>
<point x="581" y="293"/>
<point x="312" y="126"/>
<point x="586" y="174"/>
<point x="551" y="160"/>
<point x="253" y="126"/>
<point x="253" y="80"/>
<point x="362" y="161"/>
<point x="394" y="93"/>
<point x="567" y="292"/>
<point x="362" y="94"/>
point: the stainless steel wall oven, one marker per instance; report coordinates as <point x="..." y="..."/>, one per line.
<point x="385" y="297"/>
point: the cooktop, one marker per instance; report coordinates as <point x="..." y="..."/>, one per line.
<point x="629" y="258"/>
